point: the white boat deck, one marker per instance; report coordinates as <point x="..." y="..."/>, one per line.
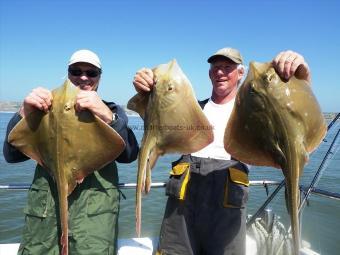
<point x="144" y="246"/>
<point x="136" y="246"/>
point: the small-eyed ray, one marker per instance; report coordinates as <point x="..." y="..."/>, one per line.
<point x="173" y="123"/>
<point x="276" y="123"/>
<point x="70" y="145"/>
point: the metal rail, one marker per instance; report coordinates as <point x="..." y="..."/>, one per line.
<point x="26" y="186"/>
<point x="322" y="167"/>
<point x="264" y="183"/>
<point x="264" y="205"/>
<point x="322" y="193"/>
<point x="270" y="198"/>
<point x="333" y="121"/>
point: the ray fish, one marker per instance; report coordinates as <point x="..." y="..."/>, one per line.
<point x="173" y="123"/>
<point x="70" y="145"/>
<point x="276" y="124"/>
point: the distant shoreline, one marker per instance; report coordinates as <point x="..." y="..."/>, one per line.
<point x="128" y="114"/>
<point x="12" y="107"/>
<point x="8" y="111"/>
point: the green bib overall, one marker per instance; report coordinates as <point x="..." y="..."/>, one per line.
<point x="93" y="215"/>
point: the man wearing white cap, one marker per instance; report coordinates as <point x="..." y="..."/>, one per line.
<point x="211" y="219"/>
<point x="94" y="204"/>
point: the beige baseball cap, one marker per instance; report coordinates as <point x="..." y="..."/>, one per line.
<point x="85" y="56"/>
<point x="233" y="54"/>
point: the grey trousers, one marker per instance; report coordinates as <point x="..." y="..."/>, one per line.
<point x="211" y="219"/>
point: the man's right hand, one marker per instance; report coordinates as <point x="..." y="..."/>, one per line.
<point x="39" y="98"/>
<point x="144" y="80"/>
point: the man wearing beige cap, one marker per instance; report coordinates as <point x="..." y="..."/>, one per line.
<point x="211" y="219"/>
<point x="94" y="204"/>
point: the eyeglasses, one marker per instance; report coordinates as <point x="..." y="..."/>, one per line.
<point x="92" y="73"/>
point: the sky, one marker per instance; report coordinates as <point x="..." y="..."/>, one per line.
<point x="38" y="37"/>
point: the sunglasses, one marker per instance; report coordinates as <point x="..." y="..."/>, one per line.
<point x="92" y="73"/>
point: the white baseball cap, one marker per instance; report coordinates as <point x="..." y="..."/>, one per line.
<point x="85" y="56"/>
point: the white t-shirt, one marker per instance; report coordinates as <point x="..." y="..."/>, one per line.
<point x="218" y="116"/>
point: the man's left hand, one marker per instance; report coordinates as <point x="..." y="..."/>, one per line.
<point x="289" y="63"/>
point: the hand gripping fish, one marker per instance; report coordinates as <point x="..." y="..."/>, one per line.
<point x="70" y="145"/>
<point x="173" y="123"/>
<point x="276" y="124"/>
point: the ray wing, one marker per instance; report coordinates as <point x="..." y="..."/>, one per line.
<point x="276" y="123"/>
<point x="173" y="123"/>
<point x="64" y="140"/>
<point x="69" y="144"/>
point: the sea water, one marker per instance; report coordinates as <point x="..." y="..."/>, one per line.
<point x="320" y="220"/>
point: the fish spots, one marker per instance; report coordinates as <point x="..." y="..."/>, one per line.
<point x="277" y="97"/>
<point x="252" y="88"/>
<point x="67" y="107"/>
<point x="270" y="123"/>
<point x="290" y="106"/>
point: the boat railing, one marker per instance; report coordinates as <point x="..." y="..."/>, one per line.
<point x="264" y="183"/>
<point x="26" y="186"/>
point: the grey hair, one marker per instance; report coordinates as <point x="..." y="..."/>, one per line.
<point x="241" y="67"/>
